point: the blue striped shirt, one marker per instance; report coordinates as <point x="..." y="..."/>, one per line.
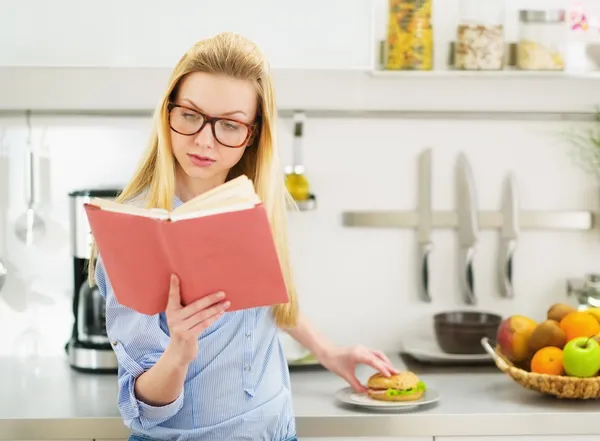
<point x="237" y="387"/>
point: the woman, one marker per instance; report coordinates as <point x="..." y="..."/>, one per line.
<point x="199" y="372"/>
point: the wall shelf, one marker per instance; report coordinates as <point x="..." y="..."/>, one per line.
<point x="333" y="93"/>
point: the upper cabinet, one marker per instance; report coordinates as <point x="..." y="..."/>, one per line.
<point x="142" y="33"/>
<point x="326" y="57"/>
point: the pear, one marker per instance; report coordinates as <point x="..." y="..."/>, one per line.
<point x="547" y="333"/>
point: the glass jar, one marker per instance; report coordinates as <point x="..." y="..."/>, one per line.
<point x="480" y="41"/>
<point x="542" y="40"/>
<point x="409" y="44"/>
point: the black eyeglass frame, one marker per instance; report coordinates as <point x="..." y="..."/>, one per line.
<point x="211" y="120"/>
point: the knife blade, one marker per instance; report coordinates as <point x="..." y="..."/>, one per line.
<point x="468" y="227"/>
<point x="509" y="234"/>
<point x="424" y="226"/>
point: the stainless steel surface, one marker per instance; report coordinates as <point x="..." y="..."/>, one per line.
<point x="92" y="358"/>
<point x="307" y="205"/>
<point x="297" y="166"/>
<point x="91" y="316"/>
<point x="509" y="235"/>
<point x="30" y="228"/>
<point x="424" y="227"/>
<point x="586" y="290"/>
<point x="542" y="15"/>
<point x="81" y="233"/>
<point x="46" y="400"/>
<point x="298" y="121"/>
<point x="468" y="227"/>
<point x="529" y="220"/>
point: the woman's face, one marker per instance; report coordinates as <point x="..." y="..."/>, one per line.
<point x="203" y="158"/>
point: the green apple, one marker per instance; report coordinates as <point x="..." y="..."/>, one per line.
<point x="581" y="357"/>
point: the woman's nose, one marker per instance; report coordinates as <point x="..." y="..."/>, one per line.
<point x="205" y="137"/>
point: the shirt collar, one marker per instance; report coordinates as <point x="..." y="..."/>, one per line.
<point x="176" y="202"/>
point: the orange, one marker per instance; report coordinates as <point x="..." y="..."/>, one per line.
<point x="548" y="360"/>
<point x="579" y="324"/>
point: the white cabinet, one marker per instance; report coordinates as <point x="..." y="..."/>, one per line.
<point x="520" y="438"/>
<point x="144" y="33"/>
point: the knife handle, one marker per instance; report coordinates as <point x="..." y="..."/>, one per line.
<point x="507" y="251"/>
<point x="424" y="250"/>
<point x="466" y="275"/>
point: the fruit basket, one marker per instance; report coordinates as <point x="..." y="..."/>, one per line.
<point x="561" y="386"/>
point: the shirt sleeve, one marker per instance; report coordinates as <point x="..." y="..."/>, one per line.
<point x="138" y="341"/>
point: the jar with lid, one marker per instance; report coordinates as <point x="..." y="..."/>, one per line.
<point x="480" y="41"/>
<point x="409" y="43"/>
<point x="542" y="40"/>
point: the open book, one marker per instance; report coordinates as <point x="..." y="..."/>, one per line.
<point x="218" y="241"/>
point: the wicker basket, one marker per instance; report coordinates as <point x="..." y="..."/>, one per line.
<point x="557" y="385"/>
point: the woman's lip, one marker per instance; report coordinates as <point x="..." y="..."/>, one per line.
<point x="201" y="161"/>
<point x="204" y="158"/>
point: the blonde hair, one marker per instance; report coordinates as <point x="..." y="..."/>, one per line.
<point x="232" y="55"/>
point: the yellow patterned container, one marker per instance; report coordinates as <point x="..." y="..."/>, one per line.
<point x="409" y="44"/>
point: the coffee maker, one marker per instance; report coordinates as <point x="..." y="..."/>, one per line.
<point x="89" y="349"/>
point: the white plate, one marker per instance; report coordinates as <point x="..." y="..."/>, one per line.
<point x="424" y="349"/>
<point x="349" y="396"/>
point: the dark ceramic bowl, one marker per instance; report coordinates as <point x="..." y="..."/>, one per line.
<point x="460" y="332"/>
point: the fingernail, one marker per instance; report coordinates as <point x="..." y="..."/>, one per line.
<point x="226" y="304"/>
<point x="220" y="294"/>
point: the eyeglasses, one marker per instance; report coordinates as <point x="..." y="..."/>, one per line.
<point x="228" y="132"/>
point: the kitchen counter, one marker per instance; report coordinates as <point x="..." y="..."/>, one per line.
<point x="47" y="400"/>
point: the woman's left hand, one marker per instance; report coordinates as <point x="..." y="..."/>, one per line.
<point x="343" y="360"/>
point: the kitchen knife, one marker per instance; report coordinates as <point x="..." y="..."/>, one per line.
<point x="424" y="226"/>
<point x="509" y="234"/>
<point x="468" y="227"/>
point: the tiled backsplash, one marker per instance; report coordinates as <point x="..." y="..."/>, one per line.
<point x="356" y="285"/>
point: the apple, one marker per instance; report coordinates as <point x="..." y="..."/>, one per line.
<point x="581" y="357"/>
<point x="513" y="335"/>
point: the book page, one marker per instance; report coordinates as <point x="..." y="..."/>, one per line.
<point x="110" y="205"/>
<point x="239" y="190"/>
<point x="233" y="195"/>
<point x="223" y="208"/>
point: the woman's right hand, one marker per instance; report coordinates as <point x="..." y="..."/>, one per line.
<point x="186" y="323"/>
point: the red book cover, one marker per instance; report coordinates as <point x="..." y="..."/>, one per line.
<point x="233" y="252"/>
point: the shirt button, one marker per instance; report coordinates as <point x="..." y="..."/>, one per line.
<point x="247" y="368"/>
<point x="248" y="334"/>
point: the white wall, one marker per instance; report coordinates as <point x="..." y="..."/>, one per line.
<point x="350" y="279"/>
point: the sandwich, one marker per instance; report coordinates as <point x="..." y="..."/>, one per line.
<point x="403" y="386"/>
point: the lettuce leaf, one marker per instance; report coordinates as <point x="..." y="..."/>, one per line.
<point x="396" y="392"/>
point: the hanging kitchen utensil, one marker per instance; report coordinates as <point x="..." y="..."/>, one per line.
<point x="30" y="227"/>
<point x="509" y="234"/>
<point x="468" y="227"/>
<point x="3" y="208"/>
<point x="295" y="179"/>
<point x="424" y="227"/>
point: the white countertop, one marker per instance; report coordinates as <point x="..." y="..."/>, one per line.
<point x="48" y="400"/>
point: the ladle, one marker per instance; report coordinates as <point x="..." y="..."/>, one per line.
<point x="30" y="227"/>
